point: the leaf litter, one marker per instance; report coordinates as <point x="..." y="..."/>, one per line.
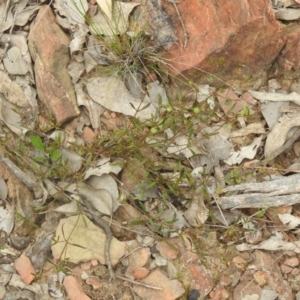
<point x="226" y="146"/>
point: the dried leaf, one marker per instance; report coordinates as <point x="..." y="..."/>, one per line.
<point x="245" y="152"/>
<point x="272" y="244"/>
<point x="86" y="241"/>
<point x="7" y="219"/>
<point x="106" y="6"/>
<point x="116" y="21"/>
<point x="278" y="134"/>
<point x="112" y="93"/>
<point x="106" y="182"/>
<point x="197" y="213"/>
<point x="105" y="167"/>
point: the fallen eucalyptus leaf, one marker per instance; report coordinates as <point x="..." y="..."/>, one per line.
<point x="245" y="152"/>
<point x="85" y="240"/>
<point x="197" y="213"/>
<point x="292" y="222"/>
<point x="112" y="93"/>
<point x="277" y="137"/>
<point x="103" y="166"/>
<point x="7" y="219"/>
<point x="108" y="183"/>
<point x="272" y="244"/>
<point x="115" y="21"/>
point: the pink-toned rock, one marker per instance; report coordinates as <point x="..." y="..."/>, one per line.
<point x="74" y="289"/>
<point x="224" y="35"/>
<point x="137" y="259"/>
<point x="239" y="262"/>
<point x="77" y="270"/>
<point x="225" y="280"/>
<point x="88" y="135"/>
<point x="246" y="289"/>
<point x="86" y="265"/>
<point x="248" y="98"/>
<point x="230" y="102"/>
<point x="48" y="46"/>
<point x="219" y="293"/>
<point x="167" y="250"/>
<point x="292" y="262"/>
<point x="295" y="271"/>
<point x="261" y="277"/>
<point x="170" y="289"/>
<point x="25" y="269"/>
<point x="201" y="280"/>
<point x="288" y="59"/>
<point x="95" y="283"/>
<point x="140" y="273"/>
<point x="286" y="269"/>
<point x="188" y="257"/>
<point x="94" y="262"/>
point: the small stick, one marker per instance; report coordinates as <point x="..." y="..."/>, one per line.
<point x="139" y="283"/>
<point x="186" y="36"/>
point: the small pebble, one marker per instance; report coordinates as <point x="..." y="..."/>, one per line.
<point x="193" y="295"/>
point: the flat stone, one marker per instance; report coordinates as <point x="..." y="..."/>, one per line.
<point x="286" y="269"/>
<point x="239" y="262"/>
<point x="219" y="293"/>
<point x="167" y="249"/>
<point x="140" y="273"/>
<point x="49" y="48"/>
<point x="247" y="290"/>
<point x="292" y="262"/>
<point x="201" y="279"/>
<point x="137" y="259"/>
<point x="88" y="135"/>
<point x="96" y="283"/>
<point x="24" y="268"/>
<point x="261" y="277"/>
<point x="74" y="289"/>
<point x="171" y="289"/>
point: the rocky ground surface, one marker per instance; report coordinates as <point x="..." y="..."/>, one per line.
<point x="233" y="241"/>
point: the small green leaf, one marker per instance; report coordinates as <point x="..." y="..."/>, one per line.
<point x="55" y="154"/>
<point x="37" y="143"/>
<point x="138" y="222"/>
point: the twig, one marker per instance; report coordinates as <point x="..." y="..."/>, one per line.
<point x="22" y="176"/>
<point x="139" y="283"/>
<point x="186" y="36"/>
<point x="88" y="209"/>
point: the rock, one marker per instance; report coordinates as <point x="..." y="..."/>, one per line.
<point x="292" y="262"/>
<point x="95" y="283"/>
<point x="48" y="46"/>
<point x="24" y="267"/>
<point x="88" y="135"/>
<point x="235" y="39"/>
<point x="137" y="260"/>
<point x="74" y="289"/>
<point x="288" y="64"/>
<point x="219" y="293"/>
<point x="246" y="289"/>
<point x="171" y="289"/>
<point x="167" y="249"/>
<point x="201" y="279"/>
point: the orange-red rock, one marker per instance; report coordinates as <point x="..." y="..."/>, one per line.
<point x="224" y="36"/>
